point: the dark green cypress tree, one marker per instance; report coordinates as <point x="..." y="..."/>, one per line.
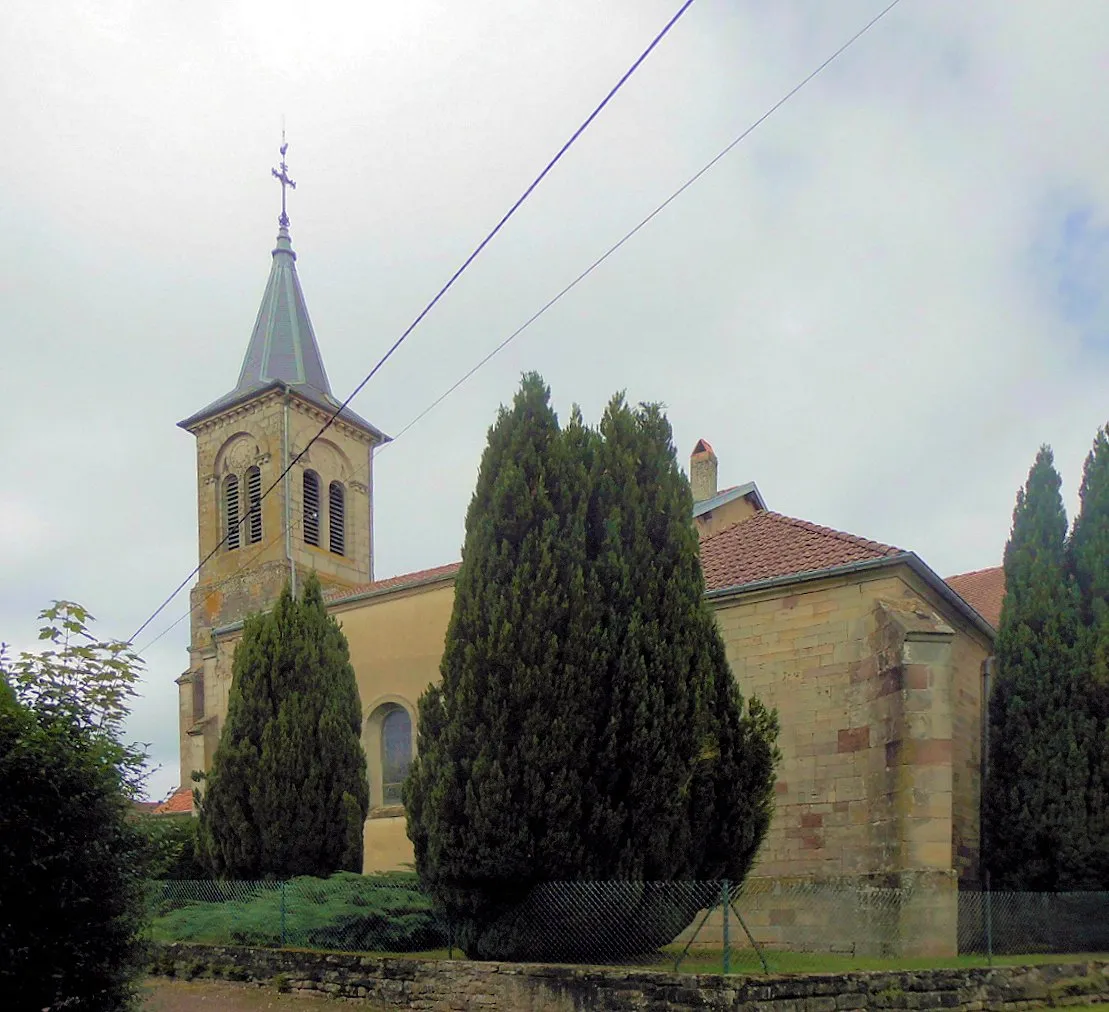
<point x="1035" y="797"/>
<point x="643" y="553"/>
<point x="1089" y="556"/>
<point x="494" y="799"/>
<point x="287" y="793"/>
<point x="691" y="766"/>
<point x="583" y="729"/>
<point x="1089" y="563"/>
<point x="732" y="801"/>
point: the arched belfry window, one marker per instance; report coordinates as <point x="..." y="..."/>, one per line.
<point x="396" y="753"/>
<point x="254" y="497"/>
<point x="231" y="511"/>
<point x="337" y="506"/>
<point x="311" y="508"/>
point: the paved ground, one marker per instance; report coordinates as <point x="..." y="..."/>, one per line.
<point x="219" y="996"/>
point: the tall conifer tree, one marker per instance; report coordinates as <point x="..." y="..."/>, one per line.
<point x="1089" y="562"/>
<point x="583" y="729"/>
<point x="494" y="797"/>
<point x="287" y="793"/>
<point x="1035" y="799"/>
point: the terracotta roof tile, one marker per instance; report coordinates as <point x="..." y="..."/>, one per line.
<point x="983" y="590"/>
<point x="762" y="547"/>
<point x="181" y="800"/>
<point x="395" y="582"/>
<point x="768" y="545"/>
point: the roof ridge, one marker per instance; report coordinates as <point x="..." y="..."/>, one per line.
<point x="847" y="536"/>
<point x="811" y="528"/>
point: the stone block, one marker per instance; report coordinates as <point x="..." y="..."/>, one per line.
<point x="853" y="739"/>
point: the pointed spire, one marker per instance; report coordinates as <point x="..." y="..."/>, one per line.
<point x="283" y="346"/>
<point x="283" y="349"/>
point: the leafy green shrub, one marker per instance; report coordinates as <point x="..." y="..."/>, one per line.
<point x="71" y="861"/>
<point x="384" y="913"/>
<point x="171" y="845"/>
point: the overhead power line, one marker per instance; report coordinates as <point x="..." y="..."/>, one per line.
<point x="572" y="285"/>
<point x="646" y="221"/>
<point x="438" y="295"/>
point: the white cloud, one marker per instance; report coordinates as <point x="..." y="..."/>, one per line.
<point x="859" y="307"/>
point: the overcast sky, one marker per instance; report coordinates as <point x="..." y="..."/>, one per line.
<point x="877" y="307"/>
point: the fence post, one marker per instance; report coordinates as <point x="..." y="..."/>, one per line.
<point x="989" y="921"/>
<point x="726" y="904"/>
<point x="282" y="913"/>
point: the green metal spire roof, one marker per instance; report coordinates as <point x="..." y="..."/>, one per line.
<point x="283" y="351"/>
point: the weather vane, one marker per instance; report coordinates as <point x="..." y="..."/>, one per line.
<point x="283" y="178"/>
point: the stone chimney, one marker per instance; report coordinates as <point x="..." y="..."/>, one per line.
<point x="702" y="471"/>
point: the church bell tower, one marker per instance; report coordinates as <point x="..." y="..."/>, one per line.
<point x="259" y="529"/>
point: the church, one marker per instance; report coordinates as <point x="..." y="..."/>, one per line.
<point x="873" y="661"/>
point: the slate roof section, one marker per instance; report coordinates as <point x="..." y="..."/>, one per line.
<point x="983" y="590"/>
<point x="283" y="351"/>
<point x="769" y="546"/>
<point x="727" y="495"/>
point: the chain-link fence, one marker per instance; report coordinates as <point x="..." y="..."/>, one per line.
<point x="765" y="925"/>
<point x="1010" y="923"/>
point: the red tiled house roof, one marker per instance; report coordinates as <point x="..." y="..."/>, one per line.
<point x="181" y="800"/>
<point x="766" y="546"/>
<point x="415" y="579"/>
<point x="983" y="590"/>
<point x="769" y="545"/>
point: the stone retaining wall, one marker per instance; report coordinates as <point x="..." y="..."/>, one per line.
<point x="458" y="985"/>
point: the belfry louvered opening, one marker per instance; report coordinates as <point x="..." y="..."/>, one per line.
<point x="231" y="510"/>
<point x="336" y="495"/>
<point x="254" y="497"/>
<point x="311" y="508"/>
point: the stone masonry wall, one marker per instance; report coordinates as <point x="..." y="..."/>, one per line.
<point x="460" y="986"/>
<point x="868" y="677"/>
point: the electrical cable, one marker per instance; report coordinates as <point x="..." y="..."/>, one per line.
<point x="442" y="291"/>
<point x="575" y="282"/>
<point x="645" y="221"/>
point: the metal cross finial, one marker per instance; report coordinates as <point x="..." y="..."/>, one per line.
<point x="283" y="178"/>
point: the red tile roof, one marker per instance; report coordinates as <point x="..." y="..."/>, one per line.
<point x="768" y="545"/>
<point x="983" y="590"/>
<point x="181" y="800"/>
<point x="395" y="582"/>
<point x="764" y="546"/>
